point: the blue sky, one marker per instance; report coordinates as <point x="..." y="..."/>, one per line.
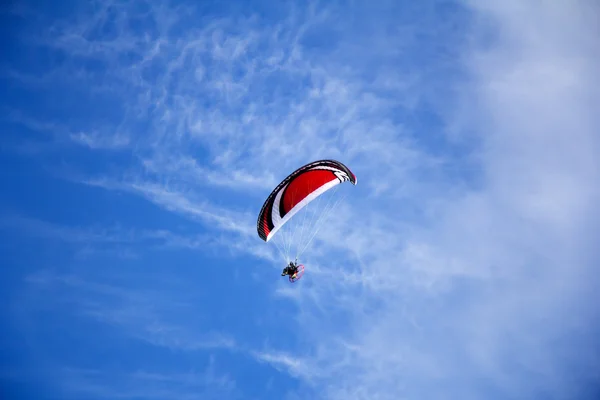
<point x="140" y="139"/>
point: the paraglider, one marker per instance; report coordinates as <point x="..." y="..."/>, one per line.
<point x="295" y="194"/>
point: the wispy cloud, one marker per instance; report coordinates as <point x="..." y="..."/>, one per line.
<point x="207" y="383"/>
<point x="290" y="364"/>
<point x="91" y="235"/>
<point x="98" y="141"/>
<point x="130" y="243"/>
<point x="174" y="200"/>
<point x="151" y="315"/>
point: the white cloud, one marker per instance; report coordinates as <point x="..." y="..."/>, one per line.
<point x="500" y="271"/>
<point x="499" y="274"/>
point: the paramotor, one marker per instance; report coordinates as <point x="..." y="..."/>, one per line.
<point x="280" y="218"/>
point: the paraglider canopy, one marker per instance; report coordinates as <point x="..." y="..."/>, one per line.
<point x="295" y="194"/>
<point x="297" y="190"/>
